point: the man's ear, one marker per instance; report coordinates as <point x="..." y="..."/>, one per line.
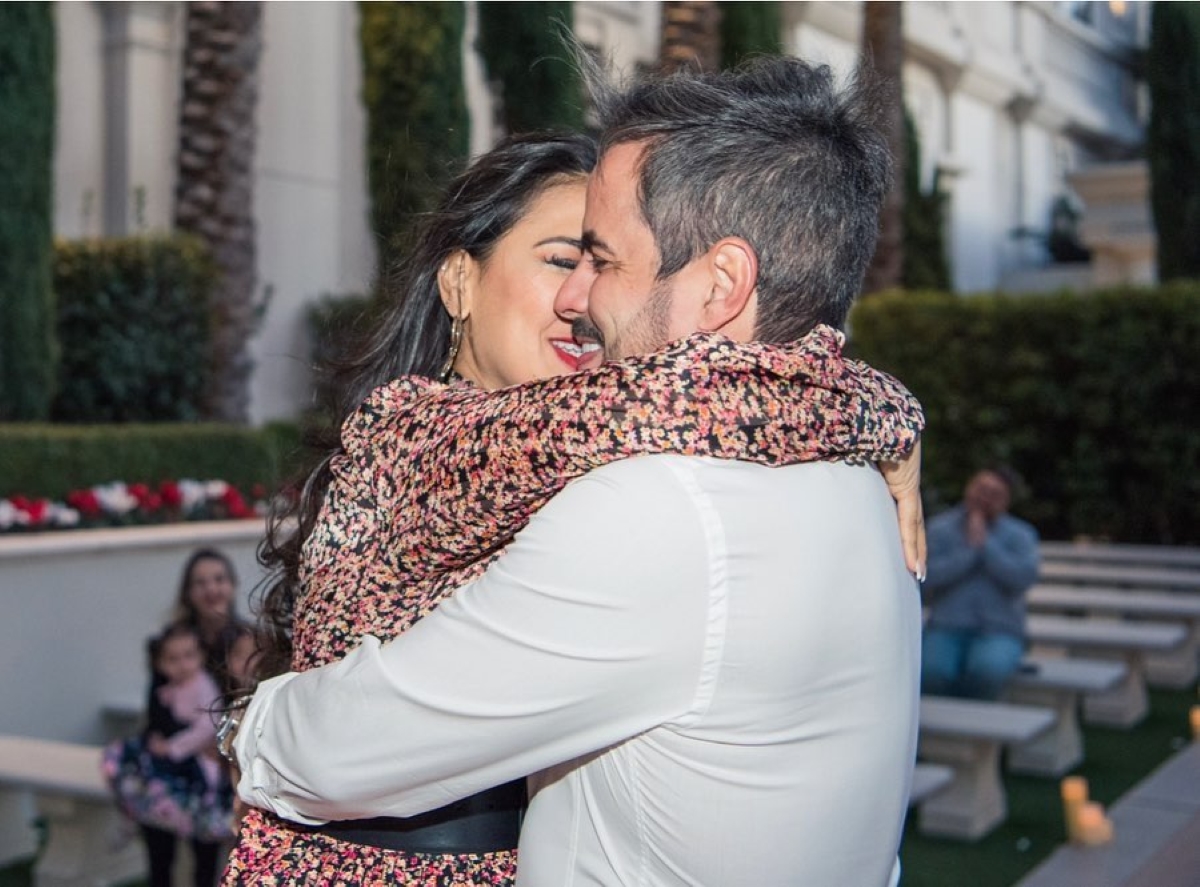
<point x="456" y="284"/>
<point x="733" y="299"/>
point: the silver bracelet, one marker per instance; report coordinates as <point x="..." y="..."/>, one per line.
<point x="228" y="727"/>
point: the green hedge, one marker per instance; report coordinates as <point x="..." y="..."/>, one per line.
<point x="1092" y="398"/>
<point x="41" y="460"/>
<point x="27" y="101"/>
<point x="133" y="319"/>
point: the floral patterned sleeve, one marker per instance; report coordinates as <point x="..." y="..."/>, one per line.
<point x="461" y="470"/>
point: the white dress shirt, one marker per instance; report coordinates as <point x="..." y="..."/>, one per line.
<point x="711" y="668"/>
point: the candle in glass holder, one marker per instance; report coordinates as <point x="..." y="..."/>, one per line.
<point x="1074" y="796"/>
<point x="1091" y="825"/>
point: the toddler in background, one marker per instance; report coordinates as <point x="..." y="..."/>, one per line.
<point x="169" y="779"/>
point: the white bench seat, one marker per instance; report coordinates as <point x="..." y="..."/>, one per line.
<point x="1161" y="578"/>
<point x="1058" y="683"/>
<point x="1128" y="702"/>
<point x="967" y="736"/>
<point x="84" y="829"/>
<point x="1122" y="553"/>
<point x="1177" y="669"/>
<point x="928" y="780"/>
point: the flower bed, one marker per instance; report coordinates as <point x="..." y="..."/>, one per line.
<point x="118" y="504"/>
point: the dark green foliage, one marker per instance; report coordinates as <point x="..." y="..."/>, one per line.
<point x="925" y="263"/>
<point x="133" y="319"/>
<point x="523" y="51"/>
<point x="749" y="29"/>
<point x="1173" y="136"/>
<point x="1092" y="398"/>
<point x="27" y="100"/>
<point x="417" y="126"/>
<point x="40" y="460"/>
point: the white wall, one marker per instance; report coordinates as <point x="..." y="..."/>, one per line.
<point x="78" y="608"/>
<point x="310" y="193"/>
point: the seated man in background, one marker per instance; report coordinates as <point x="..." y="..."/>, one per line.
<point x="982" y="560"/>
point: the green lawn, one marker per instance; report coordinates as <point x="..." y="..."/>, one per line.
<point x="1116" y="759"/>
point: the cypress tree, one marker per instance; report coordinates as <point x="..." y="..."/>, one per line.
<point x="749" y="29"/>
<point x="523" y="52"/>
<point x="1173" y="136"/>
<point x="417" y="125"/>
<point x="925" y="263"/>
<point x="28" y="348"/>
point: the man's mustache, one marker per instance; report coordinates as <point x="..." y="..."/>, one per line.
<point x="584" y="329"/>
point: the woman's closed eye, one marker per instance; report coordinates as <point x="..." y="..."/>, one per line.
<point x="567" y="263"/>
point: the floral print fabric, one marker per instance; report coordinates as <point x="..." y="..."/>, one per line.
<point x="435" y="480"/>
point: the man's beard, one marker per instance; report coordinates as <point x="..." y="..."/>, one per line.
<point x="646" y="331"/>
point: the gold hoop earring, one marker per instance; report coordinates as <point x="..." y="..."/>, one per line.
<point x="456" y="334"/>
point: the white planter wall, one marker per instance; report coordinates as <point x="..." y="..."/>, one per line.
<point x="76" y="609"/>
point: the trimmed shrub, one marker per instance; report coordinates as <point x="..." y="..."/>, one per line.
<point x="51" y="460"/>
<point x="925" y="263"/>
<point x="417" y="124"/>
<point x="1092" y="398"/>
<point x="523" y="52"/>
<point x="133" y="319"/>
<point x="27" y="100"/>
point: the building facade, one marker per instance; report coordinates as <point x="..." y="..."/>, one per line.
<point x="1011" y="99"/>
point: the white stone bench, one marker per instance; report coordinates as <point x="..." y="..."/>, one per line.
<point x="1177" y="669"/>
<point x="1159" y="578"/>
<point x="928" y="780"/>
<point x="1057" y="683"/>
<point x="86" y="841"/>
<point x="1127" y="703"/>
<point x="1122" y="554"/>
<point x="967" y="736"/>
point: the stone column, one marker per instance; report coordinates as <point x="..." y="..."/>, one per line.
<point x="141" y="87"/>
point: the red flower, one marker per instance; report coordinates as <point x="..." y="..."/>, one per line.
<point x="85" y="502"/>
<point x="20" y="502"/>
<point x="141" y="492"/>
<point x="235" y="505"/>
<point x="37" y="511"/>
<point x="171" y="496"/>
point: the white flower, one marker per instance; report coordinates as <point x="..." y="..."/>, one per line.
<point x="215" y="489"/>
<point x="192" y="493"/>
<point x="61" y="515"/>
<point x="11" y="516"/>
<point x="115" y="498"/>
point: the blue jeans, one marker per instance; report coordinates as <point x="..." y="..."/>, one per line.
<point x="974" y="665"/>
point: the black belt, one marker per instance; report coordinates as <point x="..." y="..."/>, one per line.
<point x="482" y="823"/>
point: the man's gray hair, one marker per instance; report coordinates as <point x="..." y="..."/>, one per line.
<point x="771" y="152"/>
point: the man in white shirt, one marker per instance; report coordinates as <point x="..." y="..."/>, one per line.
<point x="711" y="667"/>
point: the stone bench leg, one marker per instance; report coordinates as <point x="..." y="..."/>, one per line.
<point x="18" y="837"/>
<point x="1058" y="749"/>
<point x="1177" y="669"/>
<point x="88" y="844"/>
<point x="1127" y="704"/>
<point x="974" y="802"/>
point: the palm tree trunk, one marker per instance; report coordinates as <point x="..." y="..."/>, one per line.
<point x="883" y="51"/>
<point x="691" y="35"/>
<point x="215" y="186"/>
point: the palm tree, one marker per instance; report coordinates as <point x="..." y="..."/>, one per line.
<point x="883" y="53"/>
<point x="691" y="35"/>
<point x="215" y="182"/>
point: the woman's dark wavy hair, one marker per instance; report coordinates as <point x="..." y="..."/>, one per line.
<point x="412" y="338"/>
